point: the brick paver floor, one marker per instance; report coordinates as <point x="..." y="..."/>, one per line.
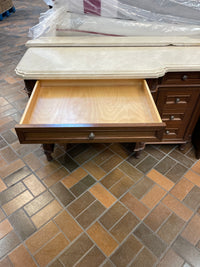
<point x="94" y="205"/>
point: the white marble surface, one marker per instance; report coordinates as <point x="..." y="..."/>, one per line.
<point x="106" y="62"/>
<point x="115" y="41"/>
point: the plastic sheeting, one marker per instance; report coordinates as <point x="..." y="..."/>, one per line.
<point x="49" y="2"/>
<point x="120" y="18"/>
<point x="150" y="10"/>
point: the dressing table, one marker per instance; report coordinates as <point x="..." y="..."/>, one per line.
<point x="110" y="89"/>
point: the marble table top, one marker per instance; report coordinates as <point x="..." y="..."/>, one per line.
<point x="106" y="62"/>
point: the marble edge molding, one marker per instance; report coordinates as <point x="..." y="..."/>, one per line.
<point x="95" y="75"/>
<point x="130" y="41"/>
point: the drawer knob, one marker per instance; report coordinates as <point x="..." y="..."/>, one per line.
<point x="177" y="100"/>
<point x="167" y="132"/>
<point x="91" y="136"/>
<point x="172" y="117"/>
<point x="184" y="78"/>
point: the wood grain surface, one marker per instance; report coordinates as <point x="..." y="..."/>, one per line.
<point x="91" y="101"/>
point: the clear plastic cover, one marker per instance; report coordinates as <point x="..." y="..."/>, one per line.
<point x="120" y="18"/>
<point x="49" y="2"/>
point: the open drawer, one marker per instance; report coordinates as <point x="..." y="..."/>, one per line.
<point x="84" y="111"/>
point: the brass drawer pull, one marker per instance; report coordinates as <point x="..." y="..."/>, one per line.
<point x="167" y="132"/>
<point x="177" y="100"/>
<point x="184" y="78"/>
<point x="91" y="136"/>
<point x="172" y="117"/>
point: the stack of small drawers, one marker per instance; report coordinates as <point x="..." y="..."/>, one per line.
<point x="177" y="98"/>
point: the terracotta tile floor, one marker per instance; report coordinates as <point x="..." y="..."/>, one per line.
<point x="93" y="205"/>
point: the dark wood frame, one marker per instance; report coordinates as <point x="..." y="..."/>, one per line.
<point x="172" y="81"/>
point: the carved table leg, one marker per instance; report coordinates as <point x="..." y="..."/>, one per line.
<point x="138" y="149"/>
<point x="182" y="147"/>
<point x="197" y="154"/>
<point x="48" y="149"/>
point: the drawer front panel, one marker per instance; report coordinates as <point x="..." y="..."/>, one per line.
<point x="173" y="117"/>
<point x="181" y="78"/>
<point x="172" y="133"/>
<point x="177" y="100"/>
<point x="51" y="135"/>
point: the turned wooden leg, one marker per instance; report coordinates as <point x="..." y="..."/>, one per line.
<point x="197" y="152"/>
<point x="182" y="147"/>
<point x="138" y="149"/>
<point x="48" y="149"/>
